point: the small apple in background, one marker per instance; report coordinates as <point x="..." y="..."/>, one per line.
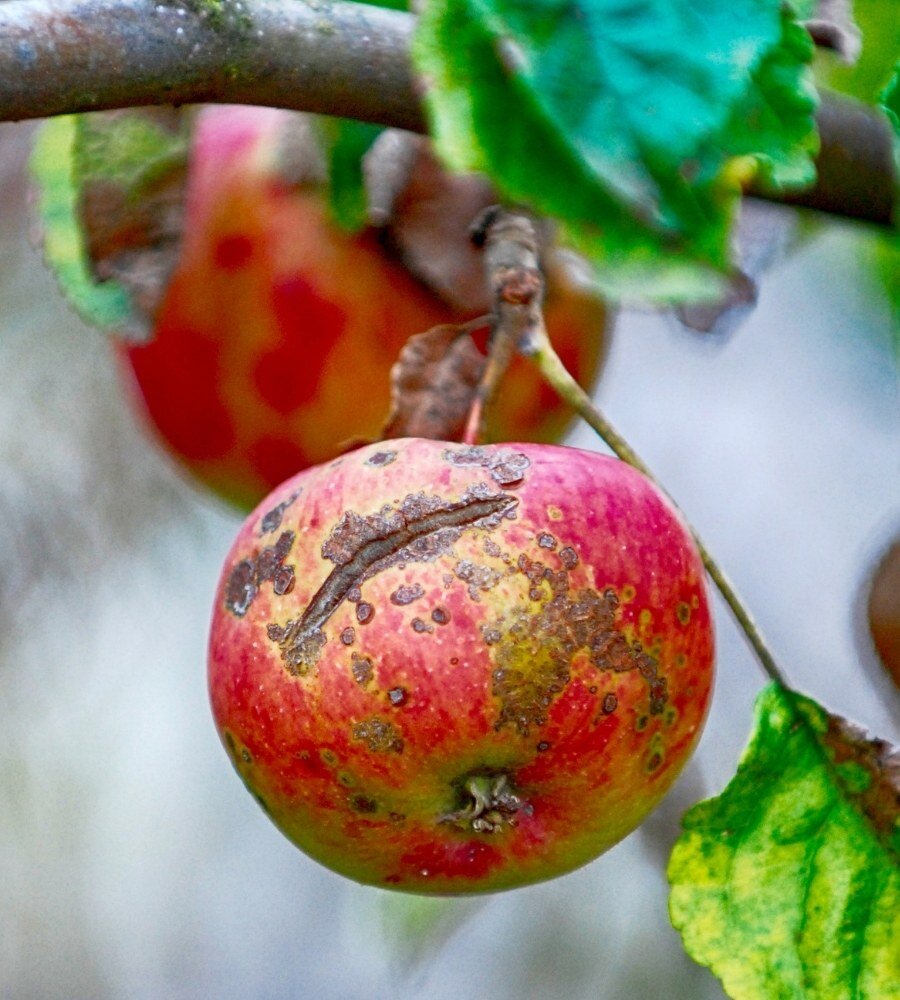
<point x="275" y="338"/>
<point x="452" y="669"/>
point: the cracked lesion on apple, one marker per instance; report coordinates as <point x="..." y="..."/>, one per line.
<point x="418" y="529"/>
<point x="534" y="646"/>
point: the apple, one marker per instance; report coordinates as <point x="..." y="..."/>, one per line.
<point x="453" y="669"/>
<point x="274" y="340"/>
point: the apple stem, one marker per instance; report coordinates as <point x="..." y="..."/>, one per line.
<point x="516" y="289"/>
<point x="534" y="343"/>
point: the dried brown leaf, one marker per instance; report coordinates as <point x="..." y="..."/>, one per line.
<point x="433" y="384"/>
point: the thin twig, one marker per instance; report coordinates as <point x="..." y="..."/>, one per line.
<point x="507" y="236"/>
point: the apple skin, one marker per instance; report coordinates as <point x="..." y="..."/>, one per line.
<point x="417" y="627"/>
<point x="274" y="340"/>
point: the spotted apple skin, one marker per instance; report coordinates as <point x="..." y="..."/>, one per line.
<point x="452" y="669"/>
<point x="273" y="345"/>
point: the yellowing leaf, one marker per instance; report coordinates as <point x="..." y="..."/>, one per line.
<point x="788" y="884"/>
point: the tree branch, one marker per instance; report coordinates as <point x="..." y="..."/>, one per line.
<point x="333" y="58"/>
<point x="346" y="59"/>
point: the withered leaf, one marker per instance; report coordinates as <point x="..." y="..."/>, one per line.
<point x="433" y="384"/>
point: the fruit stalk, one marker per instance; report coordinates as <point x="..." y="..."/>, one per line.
<point x="510" y="237"/>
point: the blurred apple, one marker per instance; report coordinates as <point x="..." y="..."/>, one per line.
<point x="274" y="339"/>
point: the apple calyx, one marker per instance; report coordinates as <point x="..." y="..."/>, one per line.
<point x="491" y="804"/>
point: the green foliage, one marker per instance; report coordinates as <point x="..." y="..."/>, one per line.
<point x="864" y="79"/>
<point x="787" y="884"/>
<point x="346" y="143"/>
<point x="630" y="121"/>
<point x="103" y="304"/>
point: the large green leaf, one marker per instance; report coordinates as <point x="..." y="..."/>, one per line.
<point x="623" y="119"/>
<point x="787" y="884"/>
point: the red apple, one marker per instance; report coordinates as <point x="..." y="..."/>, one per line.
<point x="274" y="341"/>
<point x="454" y="669"/>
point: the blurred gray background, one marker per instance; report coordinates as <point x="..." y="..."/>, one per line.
<point x="132" y="862"/>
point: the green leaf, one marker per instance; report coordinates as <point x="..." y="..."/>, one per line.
<point x="890" y="101"/>
<point x="787" y="884"/>
<point x="865" y="78"/>
<point x="346" y="143"/>
<point x="624" y="119"/>
<point x="103" y="304"/>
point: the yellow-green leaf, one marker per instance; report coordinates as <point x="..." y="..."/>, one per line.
<point x="787" y="885"/>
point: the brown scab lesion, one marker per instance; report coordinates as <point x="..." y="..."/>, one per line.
<point x="378" y="735"/>
<point x="440" y="615"/>
<point x="478" y="577"/>
<point x="406" y="594"/>
<point x="419" y="528"/>
<point x="362" y="669"/>
<point x="381" y="458"/>
<point x="505" y="466"/>
<point x="271" y="520"/>
<point x="534" y="656"/>
<point x="248" y="575"/>
<point x="420" y="626"/>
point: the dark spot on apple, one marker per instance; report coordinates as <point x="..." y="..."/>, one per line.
<point x="419" y="626"/>
<point x="246" y="756"/>
<point x="397" y="696"/>
<point x="363" y="804"/>
<point x="348" y="635"/>
<point x="505" y="467"/>
<point x="381" y="458"/>
<point x="397" y="818"/>
<point x="406" y="595"/>
<point x="248" y="575"/>
<point x="542" y="746"/>
<point x="354" y="594"/>
<point x="283" y="581"/>
<point x="546" y="541"/>
<point x="478" y="578"/>
<point x="610" y="701"/>
<point x="490" y="635"/>
<point x="271" y="521"/>
<point x="362" y="669"/>
<point x="569" y="557"/>
<point x="641" y="723"/>
<point x="365" y="612"/>
<point x="329" y="757"/>
<point x="440" y="616"/>
<point x="683" y="612"/>
<point x="656" y="758"/>
<point x="454" y="660"/>
<point x="275" y="632"/>
<point x="241" y="588"/>
<point x="378" y="735"/>
<point x="346" y="779"/>
<point x="492" y="548"/>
